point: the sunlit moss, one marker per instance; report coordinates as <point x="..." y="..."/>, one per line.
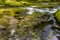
<point x="4" y="21"/>
<point x="57" y="15"/>
<point x="17" y="3"/>
<point x="20" y="3"/>
<point x="13" y="12"/>
<point x="7" y="14"/>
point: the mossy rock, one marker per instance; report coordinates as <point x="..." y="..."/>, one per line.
<point x="57" y="15"/>
<point x="31" y="20"/>
<point x="18" y="3"/>
<point x="13" y="12"/>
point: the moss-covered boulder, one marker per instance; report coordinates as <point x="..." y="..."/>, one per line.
<point x="57" y="15"/>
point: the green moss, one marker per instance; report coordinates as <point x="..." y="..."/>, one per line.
<point x="57" y="15"/>
<point x="7" y="14"/>
<point x="18" y="3"/>
<point x="13" y="12"/>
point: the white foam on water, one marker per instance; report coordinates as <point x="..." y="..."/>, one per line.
<point x="54" y="38"/>
<point x="46" y="10"/>
<point x="57" y="35"/>
<point x="12" y="32"/>
<point x="31" y="10"/>
<point x="52" y="11"/>
<point x="42" y="10"/>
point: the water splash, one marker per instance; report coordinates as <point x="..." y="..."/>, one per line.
<point x="54" y="38"/>
<point x="12" y="32"/>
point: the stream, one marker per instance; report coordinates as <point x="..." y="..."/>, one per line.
<point x="48" y="33"/>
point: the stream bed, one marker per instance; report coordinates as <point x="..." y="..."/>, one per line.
<point x="29" y="24"/>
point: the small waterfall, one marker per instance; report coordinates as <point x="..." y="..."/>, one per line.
<point x="48" y="34"/>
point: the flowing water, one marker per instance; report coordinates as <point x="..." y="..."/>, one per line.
<point x="48" y="34"/>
